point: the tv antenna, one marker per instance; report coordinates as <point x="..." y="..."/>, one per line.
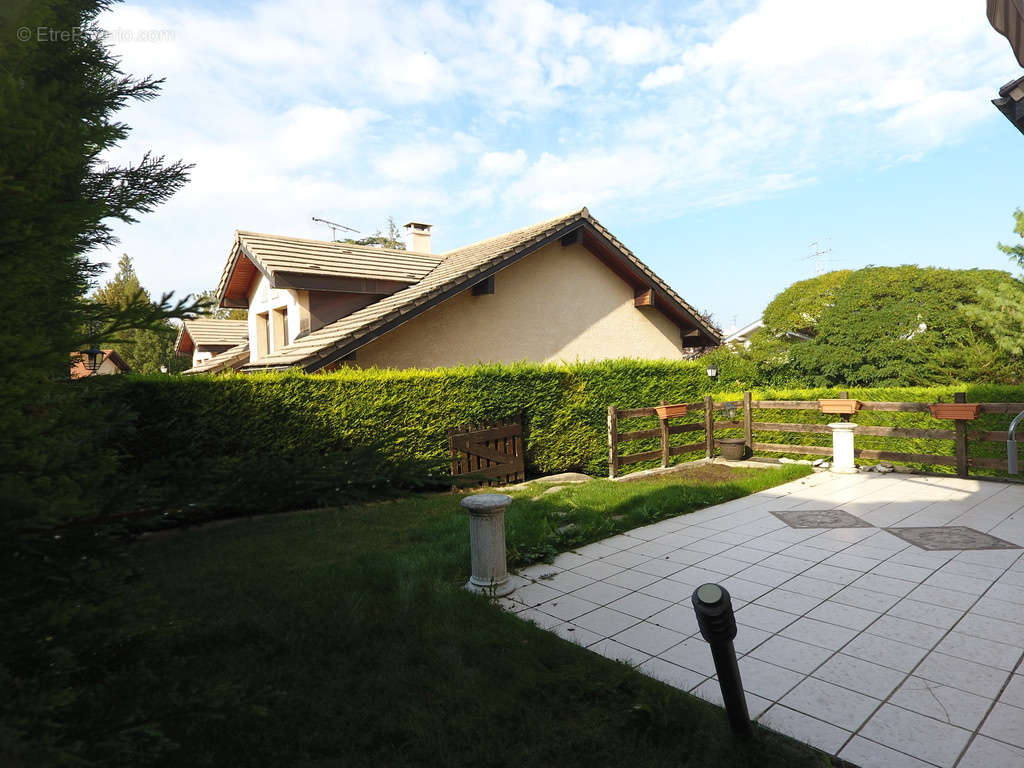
<point x="334" y="227"/>
<point x="818" y="254"/>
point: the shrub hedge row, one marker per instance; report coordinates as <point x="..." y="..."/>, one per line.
<point x="406" y="414"/>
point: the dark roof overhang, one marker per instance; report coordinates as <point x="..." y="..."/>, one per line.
<point x="1011" y="102"/>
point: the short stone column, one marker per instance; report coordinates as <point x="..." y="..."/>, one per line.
<point x="487" y="543"/>
<point x="842" y="447"/>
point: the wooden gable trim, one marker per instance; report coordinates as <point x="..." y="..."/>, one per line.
<point x="643" y="298"/>
<point x="484" y="287"/>
<point x="184" y="344"/>
<point x="614" y="259"/>
<point x="243" y="267"/>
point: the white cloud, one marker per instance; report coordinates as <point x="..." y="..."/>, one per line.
<point x="311" y="133"/>
<point x="416" y="162"/>
<point x="629" y="44"/>
<point x="358" y="110"/>
<point x="502" y="163"/>
<point x="671" y="73"/>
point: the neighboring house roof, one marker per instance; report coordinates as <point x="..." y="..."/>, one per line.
<point x="294" y="262"/>
<point x="210" y="331"/>
<point x="1011" y="102"/>
<point x="1007" y="18"/>
<point x="232" y="358"/>
<point x="462" y="268"/>
<point x="743" y="334"/>
<point x="79" y="371"/>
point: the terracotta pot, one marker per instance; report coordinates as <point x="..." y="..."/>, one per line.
<point x="959" y="411"/>
<point x="733" y="448"/>
<point x="840" y="406"/>
<point x="670" y="411"/>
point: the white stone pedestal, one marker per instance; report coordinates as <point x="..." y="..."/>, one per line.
<point x="487" y="544"/>
<point x="842" y="447"/>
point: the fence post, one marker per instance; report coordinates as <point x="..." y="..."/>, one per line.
<point x="748" y="423"/>
<point x="844" y="395"/>
<point x="961" y="438"/>
<point x="709" y="426"/>
<point x="613" y="442"/>
<point x="663" y="424"/>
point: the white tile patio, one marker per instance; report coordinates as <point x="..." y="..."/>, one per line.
<point x="850" y="639"/>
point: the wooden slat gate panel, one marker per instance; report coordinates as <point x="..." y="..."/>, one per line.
<point x="491" y="452"/>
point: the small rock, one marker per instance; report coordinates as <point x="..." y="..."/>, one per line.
<point x="553" y="489"/>
<point x="566" y="529"/>
<point x="516" y="487"/>
<point x="883" y="469"/>
<point x="564" y="477"/>
<point x="825" y="465"/>
<point x="817" y="462"/>
<point x="785" y="460"/>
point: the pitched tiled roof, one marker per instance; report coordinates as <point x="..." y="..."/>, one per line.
<point x="274" y="254"/>
<point x="79" y="371"/>
<point x="208" y="330"/>
<point x="455" y="271"/>
<point x="232" y="358"/>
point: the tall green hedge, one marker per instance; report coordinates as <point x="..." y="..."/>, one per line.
<point x="192" y="422"/>
<point x="408" y="412"/>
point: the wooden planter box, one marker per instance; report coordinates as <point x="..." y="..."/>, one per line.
<point x="670" y="411"/>
<point x="841" y="406"/>
<point x="959" y="411"/>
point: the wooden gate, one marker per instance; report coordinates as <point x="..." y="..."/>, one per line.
<point x="491" y="452"/>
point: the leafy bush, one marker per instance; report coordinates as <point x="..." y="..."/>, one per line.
<point x="899" y="326"/>
<point x="903" y="326"/>
<point x="800" y="307"/>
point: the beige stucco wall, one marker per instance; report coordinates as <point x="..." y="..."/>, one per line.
<point x="107" y="368"/>
<point x="203" y="352"/>
<point x="263" y="298"/>
<point x="559" y="304"/>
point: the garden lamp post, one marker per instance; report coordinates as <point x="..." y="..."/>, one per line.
<point x="712" y="371"/>
<point x="717" y="623"/>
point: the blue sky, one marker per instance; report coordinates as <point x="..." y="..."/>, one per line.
<point x="717" y="139"/>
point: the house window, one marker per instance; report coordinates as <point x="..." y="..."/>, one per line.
<point x="262" y="335"/>
<point x="280" y="328"/>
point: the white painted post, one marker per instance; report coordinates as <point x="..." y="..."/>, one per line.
<point x="842" y="447"/>
<point x="487" y="543"/>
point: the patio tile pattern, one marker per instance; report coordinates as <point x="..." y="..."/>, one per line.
<point x="856" y="640"/>
<point x="950" y="537"/>
<point x="820" y="518"/>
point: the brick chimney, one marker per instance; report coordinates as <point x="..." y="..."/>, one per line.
<point x="417" y="237"/>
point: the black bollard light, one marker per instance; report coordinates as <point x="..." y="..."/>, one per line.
<point x="717" y="625"/>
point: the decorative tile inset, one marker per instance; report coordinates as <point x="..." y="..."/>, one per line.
<point x="950" y="537"/>
<point x="820" y="518"/>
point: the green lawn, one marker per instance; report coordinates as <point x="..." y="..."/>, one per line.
<point x="344" y="638"/>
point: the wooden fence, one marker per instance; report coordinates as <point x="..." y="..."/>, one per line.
<point x="744" y="422"/>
